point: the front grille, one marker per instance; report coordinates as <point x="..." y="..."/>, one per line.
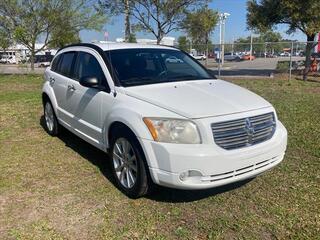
<point x="244" y="132"/>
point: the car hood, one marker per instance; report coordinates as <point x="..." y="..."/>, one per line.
<point x="199" y="99"/>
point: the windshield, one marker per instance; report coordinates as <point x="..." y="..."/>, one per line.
<point x="149" y="66"/>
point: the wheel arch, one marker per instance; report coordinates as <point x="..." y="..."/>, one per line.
<point x="48" y="94"/>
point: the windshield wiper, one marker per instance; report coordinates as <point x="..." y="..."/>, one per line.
<point x="136" y="80"/>
<point x="184" y="77"/>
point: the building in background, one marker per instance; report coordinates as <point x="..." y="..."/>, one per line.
<point x="169" y="41"/>
<point x="19" y="53"/>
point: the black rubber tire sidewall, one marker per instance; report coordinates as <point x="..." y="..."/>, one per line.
<point x="140" y="188"/>
<point x="55" y="129"/>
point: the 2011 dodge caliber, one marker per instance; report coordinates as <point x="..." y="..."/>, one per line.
<point x="161" y="121"/>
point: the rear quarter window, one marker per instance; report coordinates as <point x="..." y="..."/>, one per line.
<point x="66" y="63"/>
<point x="55" y="63"/>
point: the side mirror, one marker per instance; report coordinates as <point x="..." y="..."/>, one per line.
<point x="91" y="82"/>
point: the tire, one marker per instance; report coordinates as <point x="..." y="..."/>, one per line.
<point x="50" y="118"/>
<point x="125" y="170"/>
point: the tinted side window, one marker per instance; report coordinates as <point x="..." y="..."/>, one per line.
<point x="88" y="66"/>
<point x="55" y="63"/>
<point x="65" y="64"/>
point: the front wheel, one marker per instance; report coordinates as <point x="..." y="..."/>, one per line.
<point x="128" y="164"/>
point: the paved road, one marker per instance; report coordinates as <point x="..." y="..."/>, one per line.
<point x="18" y="69"/>
<point x="257" y="67"/>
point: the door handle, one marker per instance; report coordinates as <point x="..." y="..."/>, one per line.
<point x="71" y="88"/>
<point x="52" y="80"/>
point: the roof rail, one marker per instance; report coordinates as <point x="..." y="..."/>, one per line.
<point x="90" y="45"/>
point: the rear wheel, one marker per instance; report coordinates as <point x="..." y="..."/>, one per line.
<point x="51" y="122"/>
<point x="128" y="164"/>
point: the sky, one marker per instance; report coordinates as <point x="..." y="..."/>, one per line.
<point x="235" y="25"/>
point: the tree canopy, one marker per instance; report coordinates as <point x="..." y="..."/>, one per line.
<point x="52" y="22"/>
<point x="158" y="17"/>
<point x="183" y="43"/>
<point x="5" y="40"/>
<point x="268" y="41"/>
<point x="298" y="15"/>
<point x="200" y="24"/>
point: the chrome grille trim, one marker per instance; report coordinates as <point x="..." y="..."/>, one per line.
<point x="244" y="132"/>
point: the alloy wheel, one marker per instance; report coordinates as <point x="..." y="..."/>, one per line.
<point x="125" y="163"/>
<point x="49" y="117"/>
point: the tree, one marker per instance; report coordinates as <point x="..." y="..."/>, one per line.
<point x="269" y="41"/>
<point x="51" y="21"/>
<point x="297" y="14"/>
<point x="159" y="17"/>
<point x="117" y="7"/>
<point x="183" y="43"/>
<point x="272" y="41"/>
<point x="200" y="24"/>
<point x="132" y="38"/>
<point x="5" y="40"/>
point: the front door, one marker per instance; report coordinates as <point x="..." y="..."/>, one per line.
<point x="85" y="103"/>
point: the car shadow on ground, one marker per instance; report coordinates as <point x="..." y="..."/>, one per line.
<point x="160" y="194"/>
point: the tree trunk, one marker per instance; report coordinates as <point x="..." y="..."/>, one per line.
<point x="32" y="59"/>
<point x="127" y="22"/>
<point x="207" y="50"/>
<point x="160" y="34"/>
<point x="310" y="45"/>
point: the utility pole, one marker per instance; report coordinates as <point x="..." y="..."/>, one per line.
<point x="222" y="21"/>
<point x="220" y="44"/>
<point x="232" y="45"/>
<point x="251" y="41"/>
<point x="223" y="33"/>
<point x="290" y="73"/>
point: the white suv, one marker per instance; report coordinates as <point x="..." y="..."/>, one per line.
<point x="162" y="122"/>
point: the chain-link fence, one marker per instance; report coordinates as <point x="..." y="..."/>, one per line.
<point x="257" y="59"/>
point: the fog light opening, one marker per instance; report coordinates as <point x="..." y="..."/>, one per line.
<point x="191" y="175"/>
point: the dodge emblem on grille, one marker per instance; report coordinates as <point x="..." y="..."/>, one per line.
<point x="250" y="130"/>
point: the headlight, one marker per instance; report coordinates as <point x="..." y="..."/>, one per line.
<point x="173" y="130"/>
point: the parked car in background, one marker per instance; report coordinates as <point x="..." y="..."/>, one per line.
<point x="199" y="57"/>
<point x="248" y="57"/>
<point x="285" y="54"/>
<point x="271" y="55"/>
<point x="8" y="59"/>
<point x="316" y="56"/>
<point x="212" y="55"/>
<point x="170" y="124"/>
<point x="173" y="59"/>
<point x="43" y="60"/>
<point x="232" y="57"/>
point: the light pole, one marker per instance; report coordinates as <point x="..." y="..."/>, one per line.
<point x="222" y="23"/>
<point x="251" y="41"/>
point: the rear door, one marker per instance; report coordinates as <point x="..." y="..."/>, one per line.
<point x="61" y="69"/>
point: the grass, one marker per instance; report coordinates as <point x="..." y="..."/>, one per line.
<point x="61" y="188"/>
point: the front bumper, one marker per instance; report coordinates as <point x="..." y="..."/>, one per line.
<point x="203" y="166"/>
